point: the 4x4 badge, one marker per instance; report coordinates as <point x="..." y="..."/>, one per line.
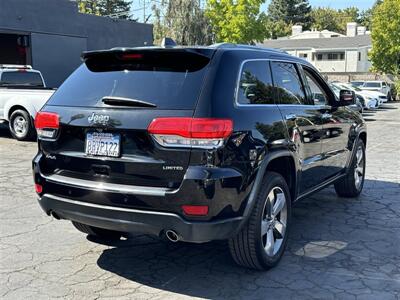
<point x="98" y="119"/>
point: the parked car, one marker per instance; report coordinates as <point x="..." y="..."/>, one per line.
<point x="195" y="144"/>
<point x="357" y="83"/>
<point x="22" y="93"/>
<point x="381" y="98"/>
<point x="364" y="98"/>
<point x="360" y="102"/>
<point x="378" y="86"/>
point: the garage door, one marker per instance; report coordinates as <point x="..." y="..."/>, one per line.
<point x="56" y="56"/>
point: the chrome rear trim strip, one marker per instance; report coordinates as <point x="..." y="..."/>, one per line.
<point x="107" y="187"/>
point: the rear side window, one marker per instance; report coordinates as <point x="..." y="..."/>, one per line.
<point x="21" y="78"/>
<point x="167" y="83"/>
<point x="255" y="85"/>
<point x="288" y="83"/>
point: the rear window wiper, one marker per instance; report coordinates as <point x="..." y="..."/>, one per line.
<point x="121" y="101"/>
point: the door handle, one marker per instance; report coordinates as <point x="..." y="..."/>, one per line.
<point x="290" y="117"/>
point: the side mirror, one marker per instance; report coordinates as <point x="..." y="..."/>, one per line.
<point x="346" y="98"/>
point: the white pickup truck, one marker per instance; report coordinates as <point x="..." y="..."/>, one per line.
<point x="23" y="92"/>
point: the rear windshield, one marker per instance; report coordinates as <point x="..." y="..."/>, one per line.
<point x="372" y="84"/>
<point x="21" y="78"/>
<point x="164" y="86"/>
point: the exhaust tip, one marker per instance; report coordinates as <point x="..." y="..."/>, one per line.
<point x="55" y="216"/>
<point x="172" y="236"/>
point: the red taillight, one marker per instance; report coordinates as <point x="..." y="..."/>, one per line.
<point x="47" y="124"/>
<point x="47" y="120"/>
<point x="195" y="210"/>
<point x="190" y="132"/>
<point x="38" y="188"/>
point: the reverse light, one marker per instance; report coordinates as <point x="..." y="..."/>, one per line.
<point x="190" y="132"/>
<point x="195" y="210"/>
<point x="47" y="125"/>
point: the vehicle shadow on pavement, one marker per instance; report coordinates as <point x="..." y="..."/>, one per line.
<point x="5" y="131"/>
<point x="332" y="243"/>
<point x="386" y="106"/>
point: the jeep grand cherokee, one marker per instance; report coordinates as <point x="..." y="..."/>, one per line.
<point x="195" y="144"/>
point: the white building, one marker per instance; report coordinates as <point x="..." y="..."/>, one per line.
<point x="328" y="51"/>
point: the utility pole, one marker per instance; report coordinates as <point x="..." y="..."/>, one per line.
<point x="144" y="11"/>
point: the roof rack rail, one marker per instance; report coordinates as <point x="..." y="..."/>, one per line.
<point x="20" y="67"/>
<point x="243" y="46"/>
<point x="223" y="45"/>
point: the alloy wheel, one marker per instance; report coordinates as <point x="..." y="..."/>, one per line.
<point x="359" y="167"/>
<point x="274" y="221"/>
<point x="20" y="126"/>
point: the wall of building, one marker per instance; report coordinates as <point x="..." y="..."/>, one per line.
<point x="59" y="33"/>
<point x="351" y="61"/>
<point x="330" y="65"/>
<point x="364" y="65"/>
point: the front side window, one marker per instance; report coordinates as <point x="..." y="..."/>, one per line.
<point x="288" y="83"/>
<point x="255" y="85"/>
<point x="319" y="96"/>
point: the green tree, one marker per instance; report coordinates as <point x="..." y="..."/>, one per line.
<point x="365" y="17"/>
<point x="326" y="18"/>
<point x="237" y="21"/>
<point x="385" y="53"/>
<point x="332" y="19"/>
<point x="277" y="29"/>
<point x="296" y="12"/>
<point x="105" y="7"/>
<point x="88" y="7"/>
<point x="182" y="20"/>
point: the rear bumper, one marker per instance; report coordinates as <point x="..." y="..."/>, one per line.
<point x="141" y="221"/>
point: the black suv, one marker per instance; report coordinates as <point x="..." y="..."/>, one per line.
<point x="195" y="144"/>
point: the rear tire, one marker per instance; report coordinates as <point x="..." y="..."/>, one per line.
<point x="352" y="184"/>
<point x="261" y="242"/>
<point x="21" y="125"/>
<point x="98" y="232"/>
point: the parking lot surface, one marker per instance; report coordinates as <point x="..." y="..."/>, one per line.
<point x="338" y="248"/>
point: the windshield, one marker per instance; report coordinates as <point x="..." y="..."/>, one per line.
<point x="372" y="84"/>
<point x="166" y="89"/>
<point x="351" y="87"/>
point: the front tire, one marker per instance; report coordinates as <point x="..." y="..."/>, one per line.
<point x="352" y="184"/>
<point x="104" y="234"/>
<point x="21" y="125"/>
<point x="261" y="242"/>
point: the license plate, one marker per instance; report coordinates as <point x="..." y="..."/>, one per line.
<point x="102" y="144"/>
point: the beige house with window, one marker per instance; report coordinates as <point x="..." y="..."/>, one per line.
<point x="328" y="51"/>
